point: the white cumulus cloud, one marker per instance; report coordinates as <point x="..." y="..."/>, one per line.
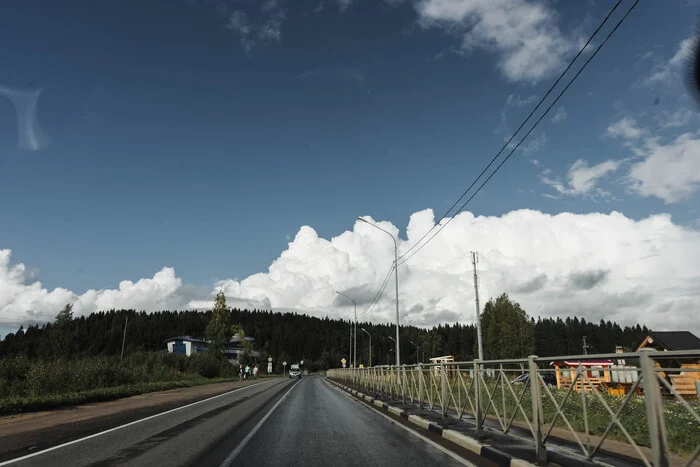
<point x="669" y="72"/>
<point x="523" y="34"/>
<point x="592" y="265"/>
<point x="582" y="178"/>
<point x="668" y="169"/>
<point x="626" y="128"/>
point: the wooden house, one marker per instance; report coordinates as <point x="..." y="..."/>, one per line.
<point x="684" y="382"/>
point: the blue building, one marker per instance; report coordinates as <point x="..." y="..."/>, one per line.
<point x="188" y="345"/>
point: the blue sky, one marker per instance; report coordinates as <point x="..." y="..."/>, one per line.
<point x="202" y="135"/>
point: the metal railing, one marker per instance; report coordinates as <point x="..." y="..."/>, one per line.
<point x="646" y="400"/>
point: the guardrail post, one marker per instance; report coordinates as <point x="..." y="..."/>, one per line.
<point x="404" y="381"/>
<point x="537" y="412"/>
<point x="477" y="400"/>
<point x="421" y="387"/>
<point x="443" y="391"/>
<point x="655" y="414"/>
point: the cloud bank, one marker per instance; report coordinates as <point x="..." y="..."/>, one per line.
<point x="524" y="34"/>
<point x="599" y="266"/>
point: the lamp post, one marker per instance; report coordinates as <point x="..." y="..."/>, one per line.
<point x="417" y="350"/>
<point x="370" y="345"/>
<point x="394" y="341"/>
<point x="396" y="277"/>
<point x="354" y="358"/>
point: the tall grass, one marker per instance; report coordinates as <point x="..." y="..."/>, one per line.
<point x="28" y="383"/>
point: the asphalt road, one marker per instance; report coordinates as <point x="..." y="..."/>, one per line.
<point x="280" y="422"/>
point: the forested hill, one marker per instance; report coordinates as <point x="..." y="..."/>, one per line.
<point x="508" y="333"/>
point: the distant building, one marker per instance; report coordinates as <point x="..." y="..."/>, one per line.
<point x="670" y="340"/>
<point x="188" y="345"/>
<point x="685" y="383"/>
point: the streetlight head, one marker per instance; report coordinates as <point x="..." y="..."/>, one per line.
<point x="361" y="219"/>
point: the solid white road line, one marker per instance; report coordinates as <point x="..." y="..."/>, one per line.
<point x="413" y="432"/>
<point x="231" y="457"/>
<point x="95" y="435"/>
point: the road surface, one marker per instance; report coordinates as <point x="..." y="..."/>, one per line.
<point x="280" y="422"/>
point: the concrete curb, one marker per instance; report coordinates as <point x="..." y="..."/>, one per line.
<point x="483" y="450"/>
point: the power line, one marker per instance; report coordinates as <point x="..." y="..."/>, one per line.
<point x="526" y="134"/>
<point x="498" y="154"/>
<point x="379" y="293"/>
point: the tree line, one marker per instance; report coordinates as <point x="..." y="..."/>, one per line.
<point x="507" y="331"/>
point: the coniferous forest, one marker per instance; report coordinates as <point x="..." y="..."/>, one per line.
<point x="508" y="332"/>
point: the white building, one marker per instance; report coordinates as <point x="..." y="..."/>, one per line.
<point x="188" y="345"/>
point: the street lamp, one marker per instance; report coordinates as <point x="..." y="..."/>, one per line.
<point x="417" y="350"/>
<point x="396" y="276"/>
<point x="354" y="358"/>
<point x="370" y="345"/>
<point x="394" y="341"/>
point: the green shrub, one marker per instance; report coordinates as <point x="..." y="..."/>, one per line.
<point x="206" y="364"/>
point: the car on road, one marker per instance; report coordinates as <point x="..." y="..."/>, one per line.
<point x="294" y="371"/>
<point x="548" y="378"/>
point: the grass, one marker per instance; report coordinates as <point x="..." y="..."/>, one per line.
<point x="14" y="405"/>
<point x="33" y="385"/>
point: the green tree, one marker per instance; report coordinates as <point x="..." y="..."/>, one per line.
<point x="507" y="330"/>
<point x="61" y="334"/>
<point x="219" y="328"/>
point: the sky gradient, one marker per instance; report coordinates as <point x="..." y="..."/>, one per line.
<point x="202" y="135"/>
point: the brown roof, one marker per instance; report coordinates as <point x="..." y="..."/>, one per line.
<point x="676" y="340"/>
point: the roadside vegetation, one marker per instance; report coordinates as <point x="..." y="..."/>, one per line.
<point x="30" y="385"/>
<point x="60" y="379"/>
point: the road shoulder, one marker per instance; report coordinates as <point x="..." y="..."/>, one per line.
<point x="24" y="433"/>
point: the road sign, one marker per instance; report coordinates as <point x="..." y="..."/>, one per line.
<point x="302" y="362"/>
<point x="343" y="365"/>
<point x="269" y="367"/>
<point x="284" y="363"/>
<point x="269" y="359"/>
<point x="343" y="361"/>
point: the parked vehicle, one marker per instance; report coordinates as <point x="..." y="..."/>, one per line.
<point x="549" y="379"/>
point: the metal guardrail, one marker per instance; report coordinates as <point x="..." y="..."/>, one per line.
<point x="590" y="405"/>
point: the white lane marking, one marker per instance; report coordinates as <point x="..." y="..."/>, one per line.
<point x="95" y="435"/>
<point x="231" y="457"/>
<point x="413" y="432"/>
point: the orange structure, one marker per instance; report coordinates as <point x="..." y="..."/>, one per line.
<point x="597" y="373"/>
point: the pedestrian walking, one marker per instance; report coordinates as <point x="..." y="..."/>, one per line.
<point x="255" y="372"/>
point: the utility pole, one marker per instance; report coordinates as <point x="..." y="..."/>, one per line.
<point x="585" y="346"/>
<point x="124" y="337"/>
<point x="475" y="260"/>
<point x="350" y="356"/>
<point x="354" y="356"/>
<point x="370" y="345"/>
<point x="396" y="278"/>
